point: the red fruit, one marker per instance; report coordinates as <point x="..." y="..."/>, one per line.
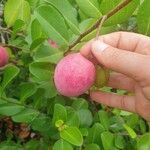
<point x="74" y="75"/>
<point x="53" y="44"/>
<point x="3" y="56"/>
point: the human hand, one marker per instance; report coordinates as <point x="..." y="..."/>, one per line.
<point x="128" y="55"/>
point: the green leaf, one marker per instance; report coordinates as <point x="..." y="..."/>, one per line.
<point x="104" y="119"/>
<point x="122" y="15"/>
<point x="107" y="140"/>
<point x="10" y="145"/>
<point x="144" y="142"/>
<point x="119" y="141"/>
<point x="86" y="117"/>
<point x="26" y="116"/>
<point x="36" y="30"/>
<point x="27" y="90"/>
<point x="62" y="145"/>
<point x="32" y="145"/>
<point x="36" y="43"/>
<point x="42" y="123"/>
<point x="68" y="12"/>
<point x="143" y="18"/>
<point x="49" y="87"/>
<point x="33" y="3"/>
<point x="40" y="70"/>
<point x="80" y="103"/>
<point x="130" y="131"/>
<point x="142" y="125"/>
<point x="18" y="25"/>
<point x="90" y="8"/>
<point x="54" y="58"/>
<point x="72" y="117"/>
<point x="10" y="73"/>
<point x="84" y="131"/>
<point x="44" y="51"/>
<point x="48" y="54"/>
<point x="132" y="120"/>
<point x="53" y="24"/>
<point x="9" y="109"/>
<point x="72" y="135"/>
<point x="94" y="135"/>
<point x="60" y="113"/>
<point x="92" y="147"/>
<point x="16" y="9"/>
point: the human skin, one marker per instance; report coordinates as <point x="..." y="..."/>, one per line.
<point x="128" y="55"/>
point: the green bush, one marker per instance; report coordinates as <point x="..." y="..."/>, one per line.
<point x="33" y="115"/>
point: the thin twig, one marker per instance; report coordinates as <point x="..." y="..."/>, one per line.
<point x="12" y="46"/>
<point x="100" y="26"/>
<point x="108" y="15"/>
<point x="8" y="31"/>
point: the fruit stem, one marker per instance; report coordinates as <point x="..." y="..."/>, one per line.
<point x="100" y="26"/>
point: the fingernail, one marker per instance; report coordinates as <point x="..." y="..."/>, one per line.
<point x="99" y="46"/>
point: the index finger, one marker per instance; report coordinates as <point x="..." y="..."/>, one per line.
<point x="121" y="40"/>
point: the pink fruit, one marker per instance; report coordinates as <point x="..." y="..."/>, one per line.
<point x="3" y="56"/>
<point x="53" y="44"/>
<point x="74" y="75"/>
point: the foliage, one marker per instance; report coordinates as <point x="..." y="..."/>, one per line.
<point x="27" y="92"/>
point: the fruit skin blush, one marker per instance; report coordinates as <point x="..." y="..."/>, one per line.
<point x="3" y="56"/>
<point x="74" y="75"/>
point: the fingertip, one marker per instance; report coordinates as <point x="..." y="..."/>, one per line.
<point x="86" y="50"/>
<point x="98" y="46"/>
<point x="96" y="95"/>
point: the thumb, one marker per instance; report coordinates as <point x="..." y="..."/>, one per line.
<point x="129" y="63"/>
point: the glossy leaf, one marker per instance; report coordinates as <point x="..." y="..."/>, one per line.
<point x="143" y="18"/>
<point x="53" y="24"/>
<point x="26" y="116"/>
<point x="104" y="119"/>
<point x="36" y="30"/>
<point x="72" y="117"/>
<point x="89" y="7"/>
<point x="72" y="135"/>
<point x="94" y="135"/>
<point x="68" y="12"/>
<point x="122" y="15"/>
<point x="37" y="69"/>
<point x="62" y="145"/>
<point x="16" y="9"/>
<point x="49" y="87"/>
<point x="86" y="117"/>
<point x="27" y="90"/>
<point x="144" y="142"/>
<point x="42" y="123"/>
<point x="119" y="141"/>
<point x="10" y="73"/>
<point x="92" y="147"/>
<point x="107" y="140"/>
<point x="60" y="113"/>
<point x="80" y="103"/>
<point x="130" y="131"/>
<point x="9" y="109"/>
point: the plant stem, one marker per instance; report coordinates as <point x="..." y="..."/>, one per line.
<point x="108" y="15"/>
<point x="12" y="46"/>
<point x="100" y="26"/>
<point x="8" y="31"/>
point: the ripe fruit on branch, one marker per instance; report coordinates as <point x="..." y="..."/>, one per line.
<point x="102" y="76"/>
<point x="74" y="75"/>
<point x="3" y="56"/>
<point x="53" y="44"/>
